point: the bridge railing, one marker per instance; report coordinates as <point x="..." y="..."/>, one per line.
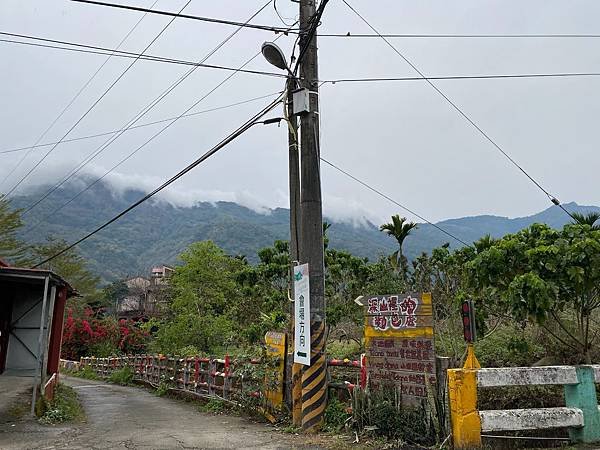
<point x="222" y="377"/>
<point x="581" y="415"/>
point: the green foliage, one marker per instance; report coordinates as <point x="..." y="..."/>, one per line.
<point x="113" y="293"/>
<point x="399" y="228"/>
<point x="11" y="247"/>
<point x="589" y="218"/>
<point x="85" y="372"/>
<point x="71" y="266"/>
<point x="336" y="415"/>
<point x="65" y="407"/>
<point x="344" y="349"/>
<point x="205" y="302"/>
<point x="545" y="276"/>
<point x="163" y="388"/>
<point x="382" y="413"/>
<point x="122" y="376"/>
<point x="509" y="346"/>
<point x="213" y="406"/>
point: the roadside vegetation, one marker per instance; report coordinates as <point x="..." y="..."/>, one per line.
<point x="64" y="407"/>
<point x="536" y="293"/>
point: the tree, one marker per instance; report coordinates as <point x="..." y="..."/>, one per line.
<point x="547" y="276"/>
<point x="587" y="219"/>
<point x="11" y="248"/>
<point x="72" y="267"/>
<point x="205" y="296"/>
<point x="114" y="293"/>
<point x="399" y="228"/>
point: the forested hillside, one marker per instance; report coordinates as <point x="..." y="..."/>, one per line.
<point x="156" y="232"/>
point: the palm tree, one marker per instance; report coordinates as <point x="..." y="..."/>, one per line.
<point x="587" y="219"/>
<point x="399" y="229"/>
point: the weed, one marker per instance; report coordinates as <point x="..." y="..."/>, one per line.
<point x="162" y="389"/>
<point x="122" y="376"/>
<point x="84" y="372"/>
<point x="213" y="406"/>
<point x="335" y="415"/>
<point x="64" y="407"/>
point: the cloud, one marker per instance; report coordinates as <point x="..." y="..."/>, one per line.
<point x="340" y="209"/>
<point x="337" y="209"/>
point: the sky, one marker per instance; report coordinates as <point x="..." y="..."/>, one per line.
<point x="401" y="137"/>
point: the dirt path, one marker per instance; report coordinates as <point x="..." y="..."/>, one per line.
<point x="130" y="417"/>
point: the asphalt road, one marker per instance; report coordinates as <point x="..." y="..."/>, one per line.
<point x="133" y="418"/>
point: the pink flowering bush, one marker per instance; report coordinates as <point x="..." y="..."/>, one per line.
<point x="87" y="335"/>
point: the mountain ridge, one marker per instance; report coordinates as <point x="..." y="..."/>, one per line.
<point x="157" y="231"/>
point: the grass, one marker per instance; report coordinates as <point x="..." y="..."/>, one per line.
<point x="122" y="376"/>
<point x="65" y="407"/>
<point x="213" y="406"/>
<point x="85" y="372"/>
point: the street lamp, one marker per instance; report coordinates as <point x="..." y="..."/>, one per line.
<point x="274" y="55"/>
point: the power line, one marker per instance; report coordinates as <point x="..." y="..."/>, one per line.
<point x="348" y="34"/>
<point x="387" y="197"/>
<point x="94" y="104"/>
<point x="161" y="59"/>
<point x="124" y="54"/>
<point x="147" y="124"/>
<point x="285" y="30"/>
<point x="142" y="113"/>
<point x="462" y="36"/>
<point x="464" y="77"/>
<point x="248" y="124"/>
<point x="552" y="198"/>
<point x="75" y="97"/>
<point x="97" y="180"/>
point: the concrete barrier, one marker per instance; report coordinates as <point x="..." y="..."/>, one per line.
<point x="581" y="414"/>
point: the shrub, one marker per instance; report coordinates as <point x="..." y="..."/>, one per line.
<point x="382" y="412"/>
<point x="87" y="335"/>
<point x="122" y="376"/>
<point x="335" y="415"/>
<point x="86" y="372"/>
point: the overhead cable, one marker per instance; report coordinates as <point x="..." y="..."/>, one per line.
<point x="188" y="16"/>
<point x="142" y="113"/>
<point x="147" y="124"/>
<point x="390" y="199"/>
<point x="106" y="91"/>
<point x="551" y="197"/>
<point x="461" y="36"/>
<point x="75" y="97"/>
<point x="124" y="54"/>
<point x="243" y="128"/>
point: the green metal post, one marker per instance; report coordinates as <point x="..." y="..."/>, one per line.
<point x="583" y="396"/>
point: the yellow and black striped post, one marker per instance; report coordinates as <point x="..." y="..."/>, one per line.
<point x="314" y="380"/>
<point x="296" y="394"/>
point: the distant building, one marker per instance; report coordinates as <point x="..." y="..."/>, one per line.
<point x="145" y="296"/>
<point x="161" y="274"/>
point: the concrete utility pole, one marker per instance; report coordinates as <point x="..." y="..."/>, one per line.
<point x="295" y="377"/>
<point x="314" y="389"/>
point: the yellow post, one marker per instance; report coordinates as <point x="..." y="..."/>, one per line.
<point x="462" y="391"/>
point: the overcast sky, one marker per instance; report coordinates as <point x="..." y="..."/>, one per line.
<point x="401" y="137"/>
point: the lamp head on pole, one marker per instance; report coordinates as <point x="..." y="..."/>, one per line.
<point x="274" y="55"/>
